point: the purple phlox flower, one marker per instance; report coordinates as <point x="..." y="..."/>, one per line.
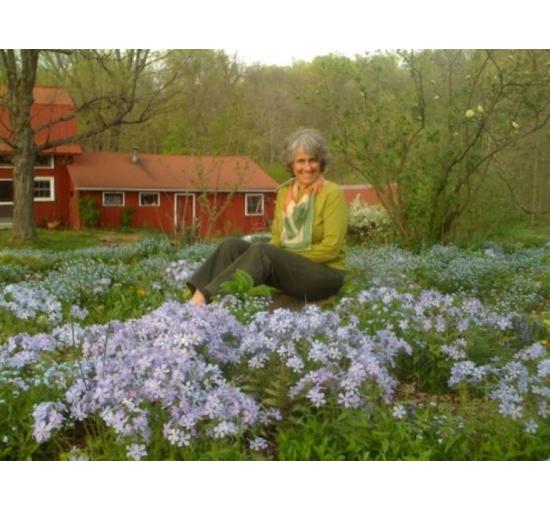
<point x="136" y="451"/>
<point x="176" y="436"/>
<point x="543" y="368"/>
<point x="514" y="411"/>
<point x="535" y="351"/>
<point x="47" y="419"/>
<point x="349" y="399"/>
<point x="78" y="313"/>
<point x="224" y="429"/>
<point x="456" y="350"/>
<point x="258" y="444"/>
<point x="531" y="426"/>
<point x="440" y="325"/>
<point x="316" y="396"/>
<point x="467" y="371"/>
<point x="295" y="363"/>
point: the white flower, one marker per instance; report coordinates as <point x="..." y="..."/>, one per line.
<point x="480" y="108"/>
<point x="470" y="113"/>
<point x="436" y="97"/>
<point x="515" y="125"/>
<point x="399" y="412"/>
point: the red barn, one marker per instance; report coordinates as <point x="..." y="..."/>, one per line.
<point x="211" y="195"/>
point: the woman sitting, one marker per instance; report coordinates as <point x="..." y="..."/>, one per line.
<point x="305" y="257"/>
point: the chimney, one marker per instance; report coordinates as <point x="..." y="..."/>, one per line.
<point x="135" y="155"/>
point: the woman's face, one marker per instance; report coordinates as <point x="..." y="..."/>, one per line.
<point x="306" y="168"/>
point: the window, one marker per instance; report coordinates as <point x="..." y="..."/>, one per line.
<point x="6" y="191"/>
<point x="254" y="204"/>
<point x="113" y="199"/>
<point x="41" y="161"/>
<point x="44" y="189"/>
<point x="5" y="160"/>
<point x="149" y="199"/>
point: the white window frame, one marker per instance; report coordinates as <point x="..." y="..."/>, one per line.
<point x="113" y="193"/>
<point x="7" y="203"/>
<point x="261" y="195"/>
<point x="141" y="193"/>
<point x="51" y="198"/>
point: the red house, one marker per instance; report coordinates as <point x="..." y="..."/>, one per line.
<point x="51" y="177"/>
<point x="365" y="193"/>
<point x="211" y="195"/>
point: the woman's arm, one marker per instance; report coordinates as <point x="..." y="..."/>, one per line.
<point x="335" y="225"/>
<point x="276" y="226"/>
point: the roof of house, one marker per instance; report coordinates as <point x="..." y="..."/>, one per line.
<point x="50" y="104"/>
<point x="365" y="192"/>
<point x="117" y="171"/>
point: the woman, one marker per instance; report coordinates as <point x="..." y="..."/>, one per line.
<point x="305" y="257"/>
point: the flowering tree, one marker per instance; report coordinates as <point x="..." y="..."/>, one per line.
<point x="433" y="122"/>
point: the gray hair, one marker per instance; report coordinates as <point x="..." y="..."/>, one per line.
<point x="309" y="140"/>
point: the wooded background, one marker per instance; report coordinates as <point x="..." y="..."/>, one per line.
<point x="464" y="133"/>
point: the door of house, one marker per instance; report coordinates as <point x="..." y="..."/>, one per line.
<point x="185" y="213"/>
<point x="6" y="200"/>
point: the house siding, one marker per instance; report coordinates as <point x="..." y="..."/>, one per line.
<point x="58" y="209"/>
<point x="232" y="220"/>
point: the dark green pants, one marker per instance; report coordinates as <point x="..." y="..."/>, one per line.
<point x="267" y="264"/>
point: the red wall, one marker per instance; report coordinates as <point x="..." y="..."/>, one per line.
<point x="59" y="208"/>
<point x="232" y="221"/>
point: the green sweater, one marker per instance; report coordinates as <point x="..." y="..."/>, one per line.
<point x="330" y="224"/>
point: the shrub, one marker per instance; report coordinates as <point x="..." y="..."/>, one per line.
<point x="368" y="223"/>
<point x="89" y="212"/>
<point x="127" y="217"/>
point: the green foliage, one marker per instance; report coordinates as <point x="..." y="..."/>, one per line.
<point x="242" y="284"/>
<point x="89" y="212"/>
<point x="435" y="422"/>
<point x="59" y="240"/>
<point x="127" y="216"/>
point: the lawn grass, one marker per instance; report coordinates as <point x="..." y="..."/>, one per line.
<point x="527" y="232"/>
<point x="64" y="240"/>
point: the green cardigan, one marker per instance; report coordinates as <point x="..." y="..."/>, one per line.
<point x="330" y="224"/>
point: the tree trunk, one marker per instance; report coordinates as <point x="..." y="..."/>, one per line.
<point x="20" y="97"/>
<point x="23" y="200"/>
<point x="23" y="182"/>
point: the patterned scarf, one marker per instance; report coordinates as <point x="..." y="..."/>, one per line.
<point x="298" y="215"/>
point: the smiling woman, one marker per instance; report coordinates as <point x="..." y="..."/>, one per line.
<point x="305" y="256"/>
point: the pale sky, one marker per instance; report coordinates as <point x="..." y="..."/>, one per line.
<point x="286" y="57"/>
<point x="300" y="29"/>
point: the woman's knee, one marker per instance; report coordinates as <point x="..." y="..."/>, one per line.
<point x="233" y="243"/>
<point x="260" y="248"/>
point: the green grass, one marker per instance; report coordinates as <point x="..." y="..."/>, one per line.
<point x="527" y="232"/>
<point x="64" y="240"/>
